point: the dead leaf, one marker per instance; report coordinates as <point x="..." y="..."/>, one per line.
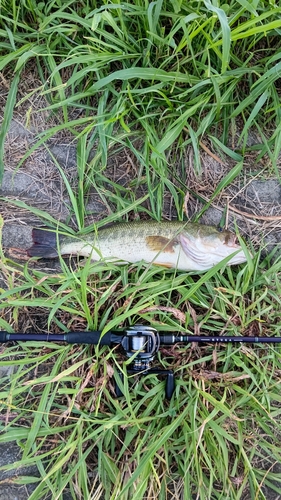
<point x="109" y="370"/>
<point x="18" y="253"/>
<point x="176" y="312"/>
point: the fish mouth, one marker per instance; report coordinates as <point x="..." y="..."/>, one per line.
<point x="232" y="241"/>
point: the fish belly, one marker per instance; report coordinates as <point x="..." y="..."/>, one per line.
<point x="131" y="251"/>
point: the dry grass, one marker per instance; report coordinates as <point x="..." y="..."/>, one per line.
<point x="157" y="145"/>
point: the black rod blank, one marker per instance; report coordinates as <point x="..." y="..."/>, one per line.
<point x="226" y="339"/>
<point x="95" y="338"/>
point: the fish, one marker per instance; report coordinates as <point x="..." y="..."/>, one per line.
<point x="184" y="246"/>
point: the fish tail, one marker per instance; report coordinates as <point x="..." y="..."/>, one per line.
<point x="44" y="244"/>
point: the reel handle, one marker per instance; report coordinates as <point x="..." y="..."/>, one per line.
<point x="169" y="386"/>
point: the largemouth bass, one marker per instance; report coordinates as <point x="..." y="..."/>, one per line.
<point x="180" y="245"/>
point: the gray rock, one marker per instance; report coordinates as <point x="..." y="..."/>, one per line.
<point x="18" y="130"/>
<point x="65" y="155"/>
<point x="20" y="183"/>
<point x="16" y="236"/>
<point x="9" y="454"/>
<point x="262" y="192"/>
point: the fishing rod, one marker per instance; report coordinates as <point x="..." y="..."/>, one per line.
<point x="140" y="344"/>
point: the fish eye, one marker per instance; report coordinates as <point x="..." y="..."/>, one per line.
<point x="220" y="229"/>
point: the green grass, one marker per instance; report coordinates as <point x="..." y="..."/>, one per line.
<point x="222" y="424"/>
<point x="155" y="78"/>
<point x="191" y="68"/>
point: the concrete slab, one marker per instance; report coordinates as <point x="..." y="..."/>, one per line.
<point x="9" y="454"/>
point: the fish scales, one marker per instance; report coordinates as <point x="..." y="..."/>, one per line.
<point x="181" y="245"/>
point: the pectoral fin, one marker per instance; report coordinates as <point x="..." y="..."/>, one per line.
<point x="191" y="250"/>
<point x="160" y="244"/>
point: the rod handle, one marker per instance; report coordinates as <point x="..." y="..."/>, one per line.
<point x="88" y="338"/>
<point x="70" y="337"/>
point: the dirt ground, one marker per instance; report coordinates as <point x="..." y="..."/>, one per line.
<point x="253" y="201"/>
